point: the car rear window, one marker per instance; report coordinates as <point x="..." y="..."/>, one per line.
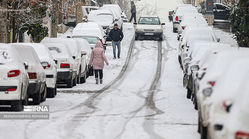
<point x="91" y="40"/>
<point x="149" y="20"/>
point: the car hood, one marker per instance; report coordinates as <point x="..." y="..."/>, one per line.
<point x="139" y="26"/>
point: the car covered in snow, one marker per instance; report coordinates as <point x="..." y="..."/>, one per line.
<point x="86" y="11"/>
<point x="180" y="12"/>
<point x="14" y="79"/>
<point x="90" y="31"/>
<point x="64" y="62"/>
<point x="49" y="66"/>
<point x="224" y="97"/>
<point x="37" y="89"/>
<point x="149" y="27"/>
<point x="75" y="49"/>
<point x="214" y="73"/>
<point x="103" y="17"/>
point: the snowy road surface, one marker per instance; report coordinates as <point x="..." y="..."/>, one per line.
<point x="143" y="99"/>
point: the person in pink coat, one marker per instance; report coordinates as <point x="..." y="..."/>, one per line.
<point x="97" y="61"/>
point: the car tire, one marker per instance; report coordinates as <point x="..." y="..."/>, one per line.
<point x="70" y="83"/>
<point x="44" y="94"/>
<point x="174" y="30"/>
<point x="17" y="105"/>
<point x="37" y="98"/>
<point x="51" y="92"/>
<point x="75" y="81"/>
<point x="203" y="132"/>
<point x="188" y="93"/>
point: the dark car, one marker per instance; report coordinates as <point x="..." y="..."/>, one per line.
<point x="221" y="12"/>
<point x="171" y="16"/>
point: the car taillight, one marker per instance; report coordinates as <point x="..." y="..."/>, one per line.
<point x="177" y="18"/>
<point x="13" y="73"/>
<point x="65" y="65"/>
<point x="212" y="83"/>
<point x="183" y="27"/>
<point x="11" y="89"/>
<point x="32" y="75"/>
<point x="204" y="69"/>
<point x="241" y="135"/>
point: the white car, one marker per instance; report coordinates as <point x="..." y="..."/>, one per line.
<point x="13" y="79"/>
<point x="223" y="98"/>
<point x="86" y="11"/>
<point x="214" y="72"/>
<point x="191" y="34"/>
<point x="37" y="89"/>
<point x="90" y="29"/>
<point x="149" y="27"/>
<point x="179" y="13"/>
<point x="75" y="49"/>
<point x="49" y="66"/>
<point x="103" y="17"/>
<point x="64" y="62"/>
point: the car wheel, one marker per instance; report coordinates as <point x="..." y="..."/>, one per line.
<point x="174" y="30"/>
<point x="75" y="81"/>
<point x="188" y="93"/>
<point x="37" y="98"/>
<point x="17" y="105"/>
<point x="203" y="131"/>
<point x="51" y="92"/>
<point x="83" y="79"/>
<point x="44" y="94"/>
<point x="70" y="83"/>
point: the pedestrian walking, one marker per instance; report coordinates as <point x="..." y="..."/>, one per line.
<point x="97" y="61"/>
<point x="133" y="12"/>
<point x="116" y="36"/>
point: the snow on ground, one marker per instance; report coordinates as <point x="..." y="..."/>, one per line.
<point x="226" y="37"/>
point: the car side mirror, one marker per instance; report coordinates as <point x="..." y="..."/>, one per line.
<point x="73" y="57"/>
<point x="26" y="66"/>
<point x="218" y="39"/>
<point x="163" y="24"/>
<point x="83" y="53"/>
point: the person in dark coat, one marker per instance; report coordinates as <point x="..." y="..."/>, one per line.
<point x="116" y="35"/>
<point x="133" y="12"/>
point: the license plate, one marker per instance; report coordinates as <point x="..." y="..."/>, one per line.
<point x="149" y="34"/>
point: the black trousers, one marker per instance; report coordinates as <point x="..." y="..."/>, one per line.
<point x="133" y="15"/>
<point x="99" y="73"/>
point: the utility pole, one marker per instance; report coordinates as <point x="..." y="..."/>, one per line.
<point x="55" y="16"/>
<point x="3" y="22"/>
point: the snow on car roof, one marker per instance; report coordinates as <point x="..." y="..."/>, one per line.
<point x="69" y="42"/>
<point x="7" y="54"/>
<point x="58" y="50"/>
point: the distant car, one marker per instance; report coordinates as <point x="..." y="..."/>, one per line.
<point x="13" y="79"/>
<point x="64" y="63"/>
<point x="149" y="27"/>
<point x="221" y="12"/>
<point x="37" y="89"/>
<point x="49" y="66"/>
<point x="180" y="12"/>
<point x="103" y="17"/>
<point x="171" y="16"/>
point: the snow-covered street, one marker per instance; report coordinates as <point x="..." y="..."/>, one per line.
<point x="142" y="97"/>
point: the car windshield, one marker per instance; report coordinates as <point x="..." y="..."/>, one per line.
<point x="91" y="40"/>
<point x="149" y="20"/>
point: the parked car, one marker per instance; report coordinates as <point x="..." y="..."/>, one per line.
<point x="13" y="79"/>
<point x="37" y="89"/>
<point x="65" y="63"/>
<point x="206" y="86"/>
<point x="103" y="17"/>
<point x="86" y="11"/>
<point x="221" y="12"/>
<point x="149" y="27"/>
<point x="179" y="13"/>
<point x="89" y="31"/>
<point x="75" y="49"/>
<point x="222" y="99"/>
<point x="171" y="15"/>
<point x="48" y="65"/>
